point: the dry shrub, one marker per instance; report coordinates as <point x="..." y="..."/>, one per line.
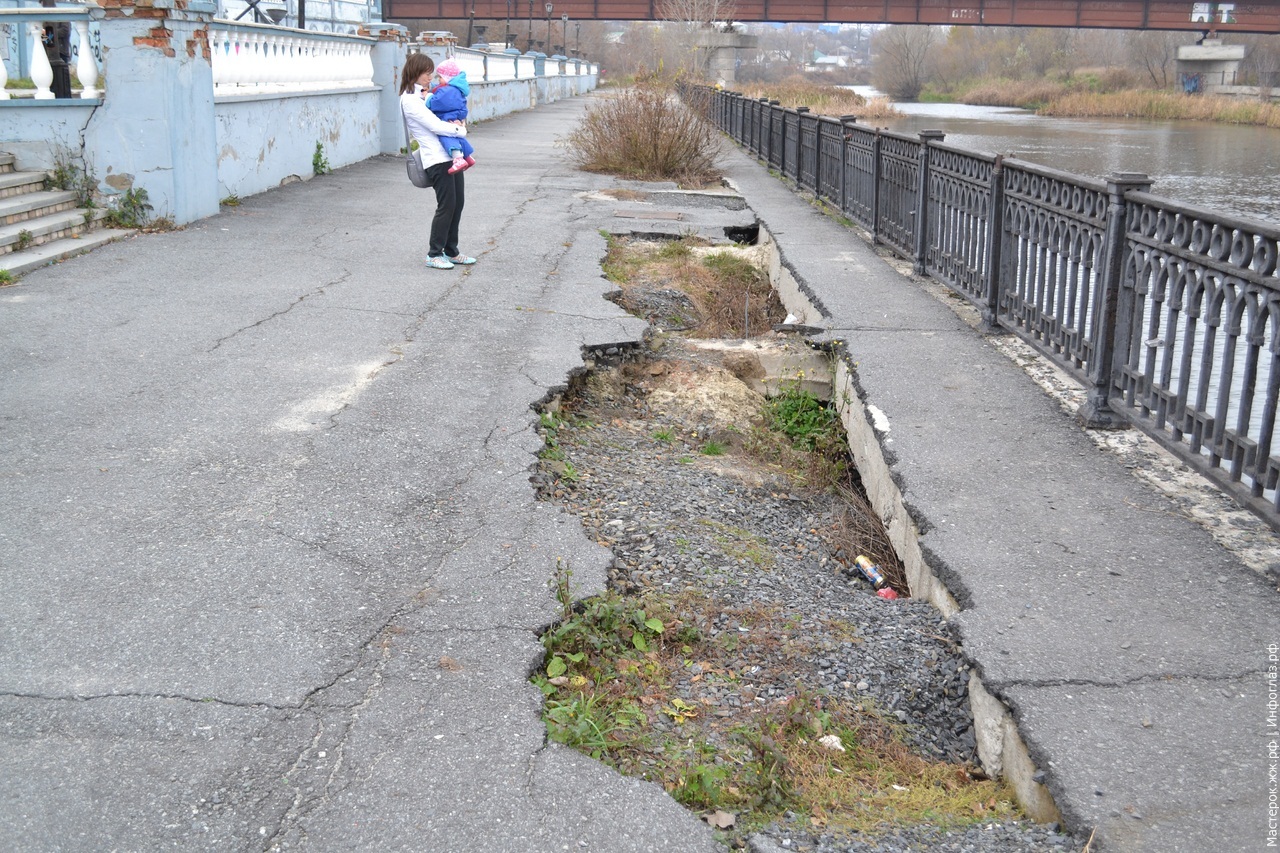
<point x="857" y="529"/>
<point x="734" y="298"/>
<point x="646" y="134"/>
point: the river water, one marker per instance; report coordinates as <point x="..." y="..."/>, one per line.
<point x="1230" y="168"/>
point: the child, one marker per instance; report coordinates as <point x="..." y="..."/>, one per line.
<point x="449" y="102"/>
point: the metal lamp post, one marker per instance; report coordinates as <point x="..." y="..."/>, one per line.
<point x="506" y="34"/>
<point x="529" y="45"/>
<point x="564" y="33"/>
<point x="548" y="8"/>
<point x="577" y="38"/>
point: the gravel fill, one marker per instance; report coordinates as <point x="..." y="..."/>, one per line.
<point x="736" y="531"/>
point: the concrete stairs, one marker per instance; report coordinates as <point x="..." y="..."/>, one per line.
<point x="39" y="226"/>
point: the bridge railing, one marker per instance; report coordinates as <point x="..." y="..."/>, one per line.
<point x="1170" y="315"/>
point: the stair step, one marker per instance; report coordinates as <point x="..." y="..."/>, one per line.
<point x="6" y="163"/>
<point x="45" y="229"/>
<point x="34" y="258"/>
<point x="33" y="205"/>
<point x="21" y="183"/>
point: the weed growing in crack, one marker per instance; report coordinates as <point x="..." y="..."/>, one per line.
<point x="633" y="682"/>
<point x="806" y="420"/>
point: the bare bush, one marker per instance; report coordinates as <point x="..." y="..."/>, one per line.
<point x="647" y="134"/>
<point x="902" y="66"/>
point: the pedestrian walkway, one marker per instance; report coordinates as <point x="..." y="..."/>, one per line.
<point x="274" y="571"/>
<point x="273" y="568"/>
<point x="1131" y="648"/>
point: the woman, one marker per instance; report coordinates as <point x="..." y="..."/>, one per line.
<point x="426" y="128"/>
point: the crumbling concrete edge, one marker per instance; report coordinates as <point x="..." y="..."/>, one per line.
<point x="1001" y="749"/>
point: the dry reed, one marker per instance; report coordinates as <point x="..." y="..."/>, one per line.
<point x="1139" y="103"/>
<point x="823" y="100"/>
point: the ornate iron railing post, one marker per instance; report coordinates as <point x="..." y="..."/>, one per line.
<point x="760" y="109"/>
<point x="876" y="170"/>
<point x="994" y="249"/>
<point x="782" y="160"/>
<point x="922" y="200"/>
<point x="845" y="137"/>
<point x="775" y="113"/>
<point x="1112" y="310"/>
<point x="800" y="114"/>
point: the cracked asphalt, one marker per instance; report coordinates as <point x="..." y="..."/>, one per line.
<point x="273" y="570"/>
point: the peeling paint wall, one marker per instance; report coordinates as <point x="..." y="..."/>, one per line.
<point x="265" y="142"/>
<point x="38" y="135"/>
<point x="160" y="128"/>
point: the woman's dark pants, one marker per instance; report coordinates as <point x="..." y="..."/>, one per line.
<point x="449" y="199"/>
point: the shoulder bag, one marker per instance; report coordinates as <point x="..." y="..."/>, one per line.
<point x="413" y="165"/>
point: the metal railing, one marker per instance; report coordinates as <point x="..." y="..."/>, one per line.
<point x="1169" y="314"/>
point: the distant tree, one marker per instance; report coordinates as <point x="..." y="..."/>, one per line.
<point x="1155" y="54"/>
<point x="685" y="20"/>
<point x="697" y="14"/>
<point x="901" y="63"/>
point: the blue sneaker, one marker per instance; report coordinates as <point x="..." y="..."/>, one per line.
<point x="440" y="262"/>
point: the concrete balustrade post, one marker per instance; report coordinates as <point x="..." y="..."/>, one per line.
<point x="156" y="54"/>
<point x="1112" y="309"/>
<point x="388" y="56"/>
<point x="922" y="201"/>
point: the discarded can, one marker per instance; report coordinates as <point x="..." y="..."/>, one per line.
<point x="871" y="571"/>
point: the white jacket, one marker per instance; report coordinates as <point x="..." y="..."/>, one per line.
<point x="426" y="127"/>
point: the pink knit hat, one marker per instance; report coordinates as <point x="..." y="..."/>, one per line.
<point x="448" y="69"/>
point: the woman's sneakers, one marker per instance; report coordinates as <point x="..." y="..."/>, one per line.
<point x="463" y="261"/>
<point x="440" y="262"/>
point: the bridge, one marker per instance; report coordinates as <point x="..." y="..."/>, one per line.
<point x="1259" y="16"/>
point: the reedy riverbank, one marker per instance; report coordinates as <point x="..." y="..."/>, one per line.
<point x="823" y="100"/>
<point x="1110" y="94"/>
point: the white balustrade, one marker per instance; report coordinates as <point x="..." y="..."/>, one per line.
<point x="264" y="59"/>
<point x="471" y="62"/>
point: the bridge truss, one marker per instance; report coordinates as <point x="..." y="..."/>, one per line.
<point x="1258" y="16"/>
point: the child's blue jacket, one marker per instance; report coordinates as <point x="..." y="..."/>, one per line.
<point x="449" y="101"/>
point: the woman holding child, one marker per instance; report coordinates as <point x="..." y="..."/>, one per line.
<point x="427" y="130"/>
